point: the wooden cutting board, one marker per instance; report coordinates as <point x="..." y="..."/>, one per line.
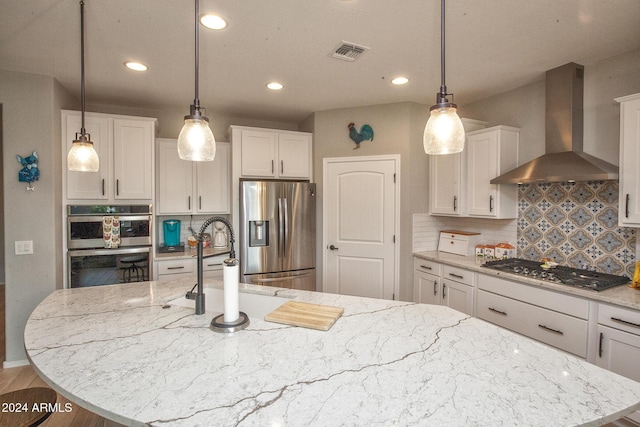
<point x="314" y="316"/>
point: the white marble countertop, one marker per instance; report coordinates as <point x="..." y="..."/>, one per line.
<point x="620" y="295"/>
<point x="121" y="352"/>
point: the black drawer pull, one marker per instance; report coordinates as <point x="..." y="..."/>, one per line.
<point x="624" y="322"/>
<point x="555" y="331"/>
<point x="600" y="345"/>
<point x="426" y="267"/>
<point x="175" y="268"/>
<point x="457" y="276"/>
<point x="497" y="311"/>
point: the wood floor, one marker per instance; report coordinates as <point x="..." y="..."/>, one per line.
<point x="25" y="377"/>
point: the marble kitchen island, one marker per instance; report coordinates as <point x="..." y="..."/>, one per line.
<point x="122" y="352"/>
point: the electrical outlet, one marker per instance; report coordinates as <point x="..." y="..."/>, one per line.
<point x="24" y="247"/>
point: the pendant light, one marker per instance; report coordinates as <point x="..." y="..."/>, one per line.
<point x="82" y="156"/>
<point x="444" y="133"/>
<point x="196" y="141"/>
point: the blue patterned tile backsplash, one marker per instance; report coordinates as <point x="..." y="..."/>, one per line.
<point x="576" y="224"/>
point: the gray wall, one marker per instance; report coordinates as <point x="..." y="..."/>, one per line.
<point x="31" y="121"/>
<point x="398" y="129"/>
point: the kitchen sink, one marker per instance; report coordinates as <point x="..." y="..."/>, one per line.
<point x="256" y="306"/>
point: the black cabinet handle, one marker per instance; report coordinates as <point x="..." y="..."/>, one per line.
<point x="103" y="187"/>
<point x="625" y="322"/>
<point x="189" y="202"/>
<point x="281" y="166"/>
<point x="175" y="268"/>
<point x="117" y="187"/>
<point x="435" y="287"/>
<point x="455" y="203"/>
<point x="490" y="203"/>
<point x="444" y="290"/>
<point x="200" y="202"/>
<point x="426" y="267"/>
<point x="600" y="344"/>
<point x="555" y="331"/>
<point x="271" y="166"/>
<point x="502" y="313"/>
<point x="457" y="276"/>
<point x="626" y="206"/>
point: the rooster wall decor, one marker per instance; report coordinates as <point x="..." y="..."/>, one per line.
<point x="365" y="133"/>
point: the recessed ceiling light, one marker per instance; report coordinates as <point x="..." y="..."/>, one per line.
<point x="274" y="86"/>
<point x="400" y="81"/>
<point x="213" y="22"/>
<point x="136" y="66"/>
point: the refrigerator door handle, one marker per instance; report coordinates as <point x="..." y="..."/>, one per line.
<point x="281" y="214"/>
<point x="285" y="235"/>
<point x="279" y="279"/>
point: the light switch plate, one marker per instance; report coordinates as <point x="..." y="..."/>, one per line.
<point x="24" y="247"/>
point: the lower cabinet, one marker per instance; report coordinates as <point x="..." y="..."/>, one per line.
<point x="550" y="317"/>
<point x="444" y="285"/>
<point x="185" y="268"/>
<point x="619" y="343"/>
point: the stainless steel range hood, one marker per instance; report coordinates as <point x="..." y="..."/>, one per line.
<point x="564" y="159"/>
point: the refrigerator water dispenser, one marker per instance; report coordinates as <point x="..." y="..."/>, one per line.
<point x="258" y="233"/>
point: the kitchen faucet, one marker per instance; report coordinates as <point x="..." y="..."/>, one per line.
<point x="198" y="296"/>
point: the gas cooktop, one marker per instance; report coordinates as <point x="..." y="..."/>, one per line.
<point x="576" y="277"/>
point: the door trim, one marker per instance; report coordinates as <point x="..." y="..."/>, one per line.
<point x="396" y="223"/>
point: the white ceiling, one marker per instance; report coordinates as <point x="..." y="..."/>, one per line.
<point x="492" y="46"/>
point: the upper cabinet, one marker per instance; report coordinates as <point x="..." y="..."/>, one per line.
<point x="629" y="192"/>
<point x="491" y="152"/>
<point x="267" y="153"/>
<point x="186" y="187"/>
<point x="447" y="173"/>
<point x="125" y="146"/>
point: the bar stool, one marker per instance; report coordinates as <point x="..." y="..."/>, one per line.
<point x="31" y="406"/>
<point x="135" y="267"/>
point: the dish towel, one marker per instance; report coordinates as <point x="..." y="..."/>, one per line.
<point x="111" y="231"/>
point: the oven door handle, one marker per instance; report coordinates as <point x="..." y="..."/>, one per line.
<point x="98" y="218"/>
<point x="118" y="251"/>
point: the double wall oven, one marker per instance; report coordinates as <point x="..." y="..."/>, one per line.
<point x="89" y="263"/>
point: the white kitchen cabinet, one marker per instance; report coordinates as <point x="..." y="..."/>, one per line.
<point x="447" y="174"/>
<point x="629" y="191"/>
<point x="184" y="268"/>
<point x="552" y="318"/>
<point x="619" y="343"/>
<point x="490" y="153"/>
<point x="267" y="153"/>
<point x="443" y="285"/>
<point x="125" y="147"/>
<point x="186" y="187"/>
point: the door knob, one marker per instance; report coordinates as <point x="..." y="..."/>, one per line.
<point x="333" y="248"/>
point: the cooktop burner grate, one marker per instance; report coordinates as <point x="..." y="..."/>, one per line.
<point x="564" y="275"/>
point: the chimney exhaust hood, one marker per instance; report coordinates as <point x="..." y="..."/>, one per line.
<point x="564" y="159"/>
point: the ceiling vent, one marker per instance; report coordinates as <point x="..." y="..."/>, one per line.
<point x="348" y="51"/>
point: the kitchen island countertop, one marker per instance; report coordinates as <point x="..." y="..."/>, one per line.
<point x="122" y="352"/>
<point x="620" y="295"/>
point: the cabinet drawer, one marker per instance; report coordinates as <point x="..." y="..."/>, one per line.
<point x="619" y="318"/>
<point x="176" y="266"/>
<point x="567" y="304"/>
<point x="426" y="266"/>
<point x="459" y="275"/>
<point x="214" y="263"/>
<point x="556" y="329"/>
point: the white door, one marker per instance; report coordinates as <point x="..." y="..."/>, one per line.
<point x="360" y="211"/>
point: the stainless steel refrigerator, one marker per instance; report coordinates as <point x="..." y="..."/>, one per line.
<point x="278" y="234"/>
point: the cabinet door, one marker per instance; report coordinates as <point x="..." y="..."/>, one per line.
<point x="294" y="154"/>
<point x="629" y="198"/>
<point x="426" y="287"/>
<point x="482" y="155"/>
<point x="444" y="184"/>
<point x="258" y="153"/>
<point x="212" y="182"/>
<point x="89" y="185"/>
<point x="619" y="352"/>
<point x="175" y="180"/>
<point x="457" y="296"/>
<point x="133" y="159"/>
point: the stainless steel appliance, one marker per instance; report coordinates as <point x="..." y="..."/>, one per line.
<point x="564" y="275"/>
<point x="90" y="264"/>
<point x="278" y="233"/>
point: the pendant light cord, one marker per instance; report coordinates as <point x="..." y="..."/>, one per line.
<point x="196" y="101"/>
<point x="82" y="129"/>
<point x="443" y="87"/>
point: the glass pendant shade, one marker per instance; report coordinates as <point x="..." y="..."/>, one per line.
<point x="196" y="141"/>
<point x="83" y="157"/>
<point x="444" y="132"/>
